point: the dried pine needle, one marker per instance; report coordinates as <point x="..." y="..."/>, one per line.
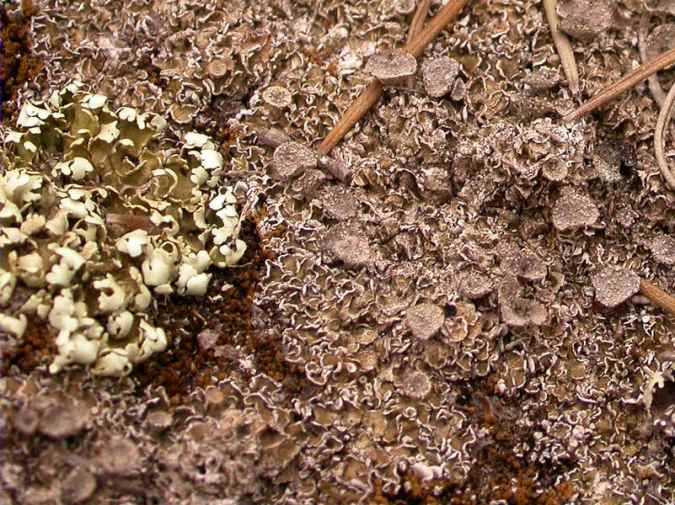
<point x="624" y="84"/>
<point x="416" y="26"/>
<point x="449" y="12"/>
<point x="373" y="91"/>
<point x="657" y="296"/>
<point x="417" y="23"/>
<point x="562" y="45"/>
<point x="659" y="134"/>
<point x="358" y="109"/>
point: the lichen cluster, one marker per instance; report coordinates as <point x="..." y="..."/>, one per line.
<point x="101" y="215"/>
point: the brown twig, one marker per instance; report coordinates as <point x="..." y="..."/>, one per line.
<point x="436" y="25"/>
<point x="657" y="296"/>
<point x="563" y="46"/>
<point x="659" y="134"/>
<point x="352" y="115"/>
<point x="416" y="26"/>
<point x="373" y="91"/>
<point x="625" y="83"/>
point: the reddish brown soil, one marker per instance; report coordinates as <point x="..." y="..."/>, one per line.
<point x="228" y="313"/>
<point x="19" y="64"/>
<point x="36" y="347"/>
<point x="497" y="474"/>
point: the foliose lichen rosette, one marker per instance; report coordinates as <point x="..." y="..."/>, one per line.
<point x="100" y="214"/>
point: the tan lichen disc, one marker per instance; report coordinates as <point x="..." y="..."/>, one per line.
<point x="614" y="285"/>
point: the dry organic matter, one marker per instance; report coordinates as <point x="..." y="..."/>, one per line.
<point x="18" y="64"/>
<point x="656" y="44"/>
<point x="658" y="296"/>
<point x="416" y="26"/>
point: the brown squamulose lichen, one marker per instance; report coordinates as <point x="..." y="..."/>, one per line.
<point x="439" y="75"/>
<point x="392" y="67"/>
<point x="574" y="210"/>
<point x="614" y="285"/>
<point x="424" y="320"/>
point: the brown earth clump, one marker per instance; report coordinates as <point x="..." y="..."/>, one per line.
<point x="225" y="310"/>
<point x="19" y="63"/>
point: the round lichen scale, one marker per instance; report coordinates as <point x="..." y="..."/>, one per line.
<point x="391" y="67"/>
<point x="424" y="320"/>
<point x="291" y="159"/>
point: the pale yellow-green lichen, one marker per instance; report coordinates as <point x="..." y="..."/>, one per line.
<point x="99" y="215"/>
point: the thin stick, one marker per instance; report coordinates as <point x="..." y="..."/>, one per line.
<point x="436" y="25"/>
<point x="654" y="86"/>
<point x="416" y="26"/>
<point x="657" y="296"/>
<point x="373" y="91"/>
<point x="352" y="115"/>
<point x="563" y="46"/>
<point x="659" y="134"/>
<point x="625" y="83"/>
